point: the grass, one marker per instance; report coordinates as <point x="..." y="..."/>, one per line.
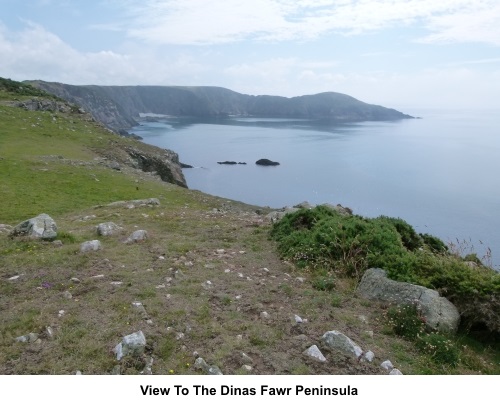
<point x="219" y="322"/>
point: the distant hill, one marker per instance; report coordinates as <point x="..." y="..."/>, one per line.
<point x="119" y="107"/>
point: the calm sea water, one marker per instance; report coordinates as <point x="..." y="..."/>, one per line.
<point x="439" y="173"/>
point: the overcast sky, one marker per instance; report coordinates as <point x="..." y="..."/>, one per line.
<point x="397" y="53"/>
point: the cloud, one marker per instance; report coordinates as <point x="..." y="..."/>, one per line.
<point x="201" y="22"/>
<point x="35" y="53"/>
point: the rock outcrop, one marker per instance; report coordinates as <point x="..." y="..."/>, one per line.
<point x="439" y="313"/>
<point x="163" y="162"/>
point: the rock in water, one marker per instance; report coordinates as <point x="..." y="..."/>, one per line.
<point x="40" y="227"/>
<point x="266" y="162"/>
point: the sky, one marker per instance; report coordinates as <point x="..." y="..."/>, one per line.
<point x="397" y="53"/>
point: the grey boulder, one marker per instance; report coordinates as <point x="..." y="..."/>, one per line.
<point x="40" y="227"/>
<point x="439" y="313"/>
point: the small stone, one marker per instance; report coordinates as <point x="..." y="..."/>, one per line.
<point x="116" y="283"/>
<point x="161" y="257"/>
<point x="300" y="279"/>
<point x="13" y="278"/>
<point x="108" y="229"/>
<point x="362" y="318"/>
<point x="179" y="336"/>
<point x="90" y="246"/>
<point x="78" y="372"/>
<point x="29" y="338"/>
<point x="369" y="333"/>
<point x="395" y="371"/>
<point x="98" y="276"/>
<point x="238" y="297"/>
<point x="246" y="367"/>
<point x="241" y="275"/>
<point x="133" y="344"/>
<point x="369" y="356"/>
<point x="50" y="332"/>
<point x="297" y="319"/>
<point x="265" y="269"/>
<point x="196" y="354"/>
<point x="207" y="284"/>
<point x="239" y="337"/>
<point x="160" y="286"/>
<point x="75" y="280"/>
<point x="227" y="271"/>
<point x="246" y="359"/>
<point x="315" y="353"/>
<point x="61" y="313"/>
<point x="264" y="315"/>
<point x="67" y="295"/>
<point x="387" y="365"/>
<point x="137" y="236"/>
<point x="220" y="251"/>
<point x="200" y="364"/>
<point x="57" y="243"/>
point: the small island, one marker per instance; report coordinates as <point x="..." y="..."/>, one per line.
<point x="266" y="162"/>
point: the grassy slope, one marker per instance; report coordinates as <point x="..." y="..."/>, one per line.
<point x="189" y="234"/>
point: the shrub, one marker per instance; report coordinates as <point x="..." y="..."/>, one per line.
<point x="410" y="239"/>
<point x="435" y="244"/>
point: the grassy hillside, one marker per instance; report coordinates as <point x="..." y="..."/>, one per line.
<point x="53" y="162"/>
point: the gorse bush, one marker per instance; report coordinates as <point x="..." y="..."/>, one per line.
<point x="347" y="245"/>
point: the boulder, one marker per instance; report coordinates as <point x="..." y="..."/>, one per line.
<point x="266" y="162"/>
<point x="439" y="313"/>
<point x="40" y="227"/>
<point x="338" y="341"/>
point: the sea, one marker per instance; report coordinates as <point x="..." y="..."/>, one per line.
<point x="439" y="172"/>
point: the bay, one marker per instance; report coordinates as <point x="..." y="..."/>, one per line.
<point x="439" y="173"/>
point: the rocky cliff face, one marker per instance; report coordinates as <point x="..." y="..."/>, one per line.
<point x="119" y="107"/>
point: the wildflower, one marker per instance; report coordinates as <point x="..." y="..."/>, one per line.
<point x="171" y="371"/>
